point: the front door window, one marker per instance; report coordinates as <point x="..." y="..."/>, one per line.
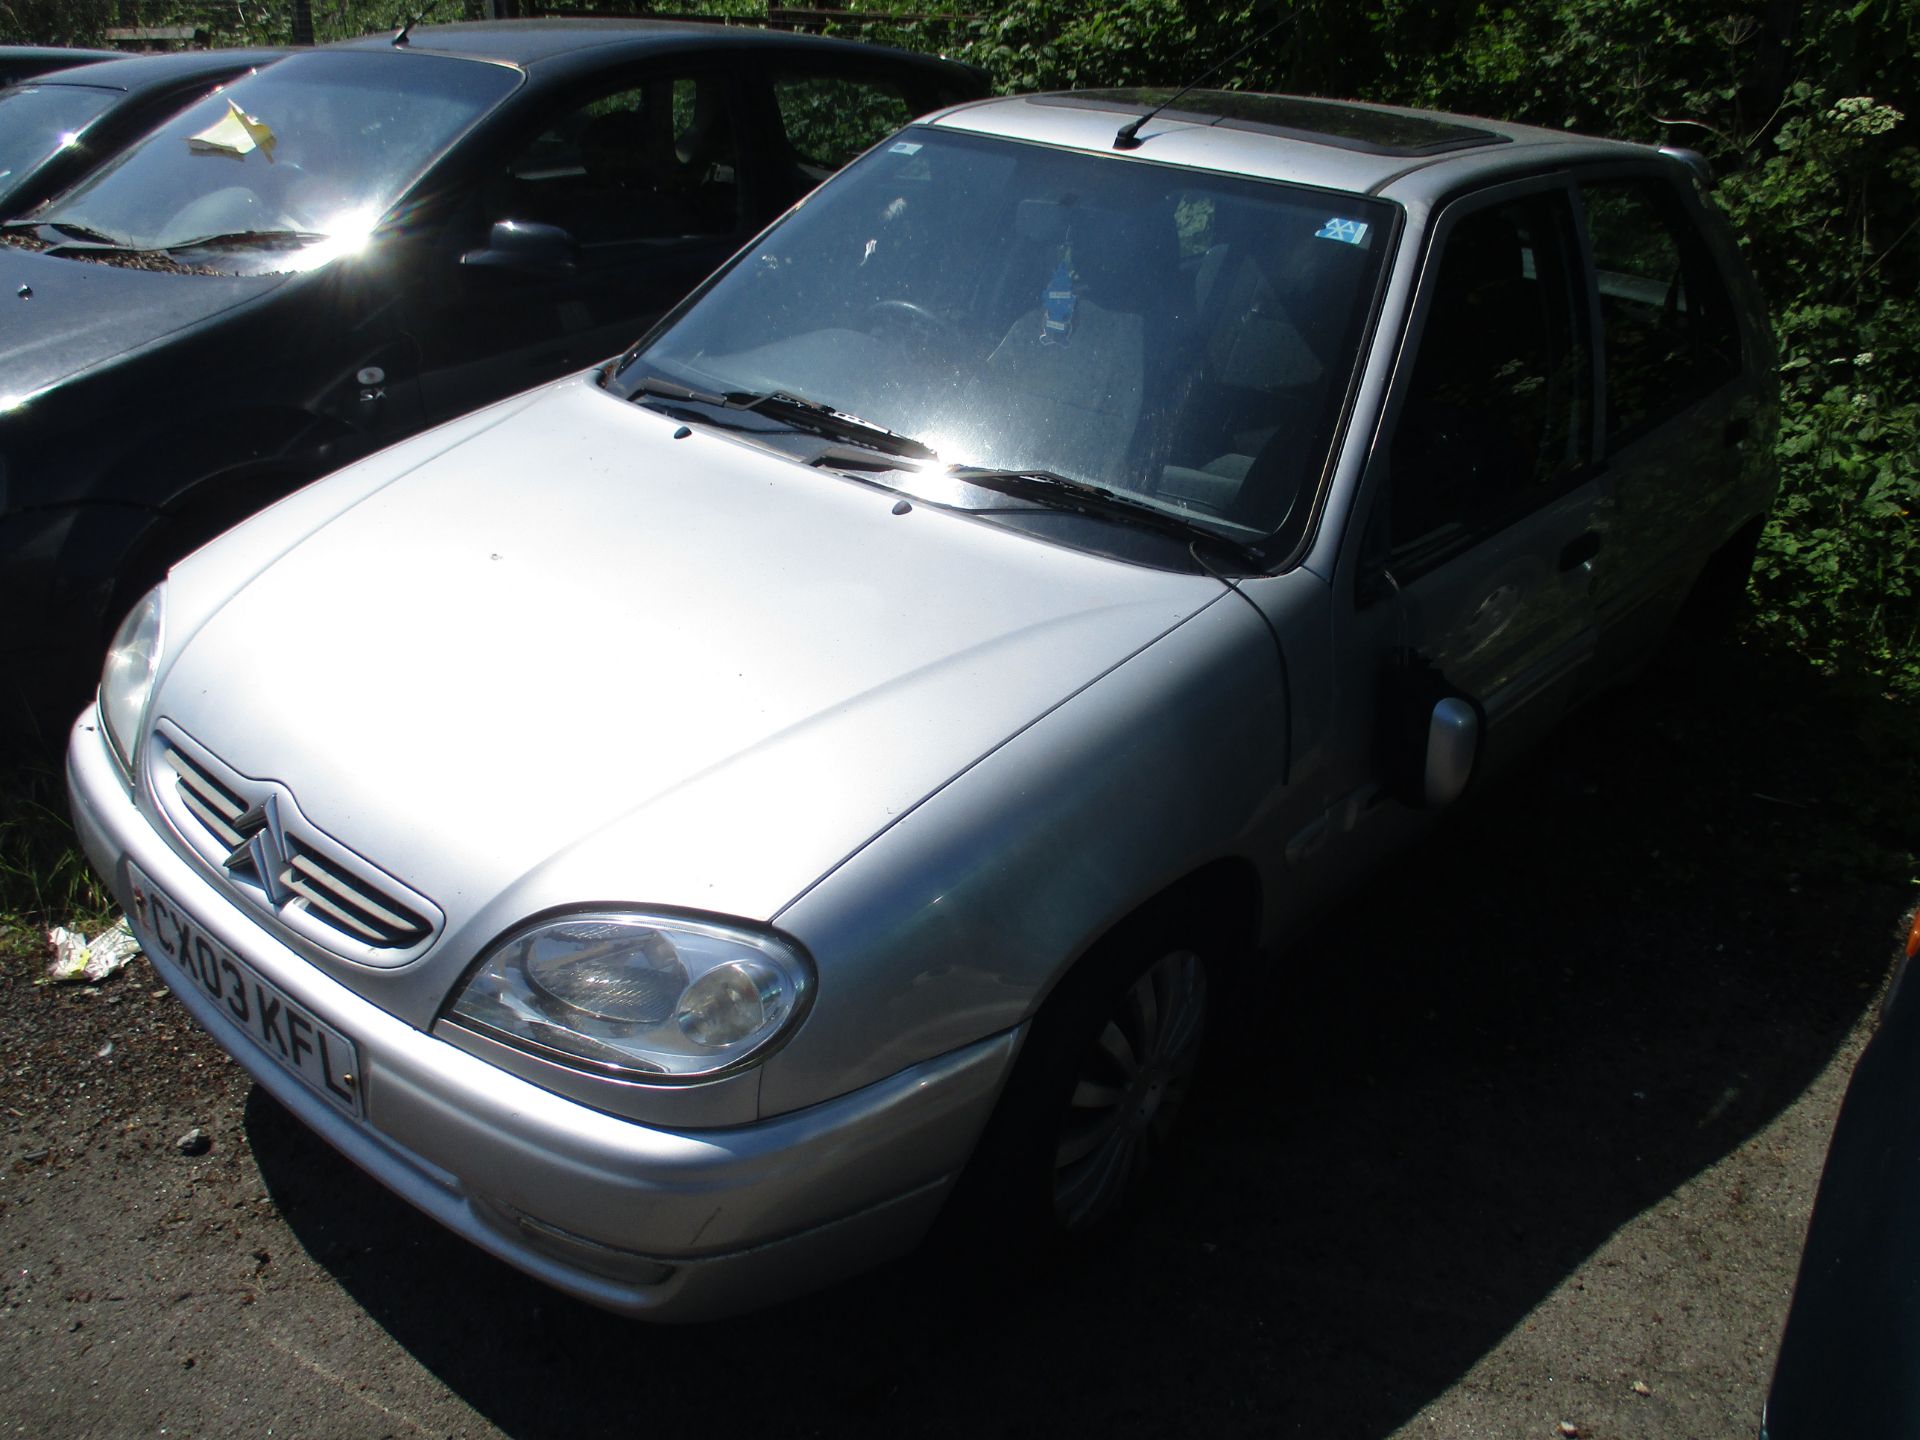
<point x="1495" y="419"/>
<point x="648" y="162"/>
<point x="1492" y="524"/>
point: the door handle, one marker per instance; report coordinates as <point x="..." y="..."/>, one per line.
<point x="1577" y="552"/>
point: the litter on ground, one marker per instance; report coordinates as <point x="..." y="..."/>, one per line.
<point x="76" y="958"/>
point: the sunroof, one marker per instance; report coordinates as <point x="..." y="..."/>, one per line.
<point x="1324" y="122"/>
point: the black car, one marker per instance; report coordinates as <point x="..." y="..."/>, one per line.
<point x="360" y="241"/>
<point x="17" y="62"/>
<point x="56" y="127"/>
<point x="1846" y="1364"/>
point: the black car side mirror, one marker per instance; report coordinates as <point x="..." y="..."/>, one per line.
<point x="526" y="247"/>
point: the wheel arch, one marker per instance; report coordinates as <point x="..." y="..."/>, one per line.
<point x="213" y="483"/>
<point x="1004" y="1191"/>
<point x="1220" y="903"/>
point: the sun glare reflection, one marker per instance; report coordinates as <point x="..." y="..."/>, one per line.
<point x="347" y="234"/>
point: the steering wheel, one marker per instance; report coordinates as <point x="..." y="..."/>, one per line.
<point x="293" y="180"/>
<point x="909" y="315"/>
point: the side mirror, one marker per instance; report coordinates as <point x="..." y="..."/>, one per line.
<point x="1427" y="736"/>
<point x="525" y="247"/>
<point x="1453" y="740"/>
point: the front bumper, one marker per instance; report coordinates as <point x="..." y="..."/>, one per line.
<point x="668" y="1224"/>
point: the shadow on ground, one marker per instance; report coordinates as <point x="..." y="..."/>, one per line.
<point x="1597" y="980"/>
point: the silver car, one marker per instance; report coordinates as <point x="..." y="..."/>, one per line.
<point x="671" y="824"/>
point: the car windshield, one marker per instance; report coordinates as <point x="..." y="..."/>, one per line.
<point x="37" y="120"/>
<point x="1178" y="338"/>
<point x="301" y="159"/>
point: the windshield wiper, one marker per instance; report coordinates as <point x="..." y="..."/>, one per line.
<point x="795" y="412"/>
<point x="1086" y="498"/>
<point x="663" y="389"/>
<point x="72" y="232"/>
<point x="232" y="240"/>
<point x="835" y="424"/>
<point x="236" y="239"/>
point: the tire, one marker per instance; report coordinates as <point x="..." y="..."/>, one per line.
<point x="1700" y="644"/>
<point x="1719" y="602"/>
<point x="1093" y="1101"/>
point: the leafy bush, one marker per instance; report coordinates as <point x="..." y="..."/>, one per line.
<point x="1836" y="565"/>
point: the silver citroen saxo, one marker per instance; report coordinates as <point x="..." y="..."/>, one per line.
<point x="671" y="824"/>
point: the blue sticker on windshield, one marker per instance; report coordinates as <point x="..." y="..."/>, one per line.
<point x="903" y="147"/>
<point x="1348" y="232"/>
<point x="1057" y="306"/>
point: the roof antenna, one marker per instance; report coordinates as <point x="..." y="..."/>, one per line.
<point x="1129" y="136"/>
<point x="399" y="41"/>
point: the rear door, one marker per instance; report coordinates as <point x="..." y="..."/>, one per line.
<point x="822" y="118"/>
<point x="1674" y="419"/>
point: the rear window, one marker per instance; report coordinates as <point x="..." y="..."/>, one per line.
<point x="1669" y="330"/>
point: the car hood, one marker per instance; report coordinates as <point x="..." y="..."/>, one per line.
<point x="64" y="317"/>
<point x="576" y="660"/>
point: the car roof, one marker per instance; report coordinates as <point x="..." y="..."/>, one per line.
<point x="134" y="72"/>
<point x="1335" y="144"/>
<point x="22" y="62"/>
<point x="564" y="42"/>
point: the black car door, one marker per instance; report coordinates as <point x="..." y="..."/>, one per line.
<point x="595" y="220"/>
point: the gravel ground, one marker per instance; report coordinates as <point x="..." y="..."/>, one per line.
<point x="1529" y="1135"/>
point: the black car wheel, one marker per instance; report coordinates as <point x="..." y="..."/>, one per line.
<point x="1137" y="1053"/>
<point x="1092" y="1103"/>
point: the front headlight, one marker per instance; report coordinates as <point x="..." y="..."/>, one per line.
<point x="642" y="995"/>
<point x="127" y="681"/>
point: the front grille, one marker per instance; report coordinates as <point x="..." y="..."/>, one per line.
<point x="304" y="878"/>
<point x="209" y="802"/>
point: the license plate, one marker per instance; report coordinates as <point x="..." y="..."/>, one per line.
<point x="285" y="1029"/>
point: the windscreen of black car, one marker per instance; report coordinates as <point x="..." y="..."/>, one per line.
<point x="305" y="156"/>
<point x="1181" y="337"/>
<point x="37" y="120"/>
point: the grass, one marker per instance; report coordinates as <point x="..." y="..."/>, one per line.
<point x="45" y="880"/>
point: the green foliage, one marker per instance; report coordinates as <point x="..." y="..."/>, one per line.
<point x="1836" y="566"/>
<point x="54" y="22"/>
<point x="1042" y="45"/>
<point x="44" y="878"/>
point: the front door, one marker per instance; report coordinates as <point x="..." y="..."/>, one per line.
<point x="1492" y="524"/>
<point x="1484" y="517"/>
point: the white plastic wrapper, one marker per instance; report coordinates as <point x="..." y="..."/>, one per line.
<point x="78" y="959"/>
